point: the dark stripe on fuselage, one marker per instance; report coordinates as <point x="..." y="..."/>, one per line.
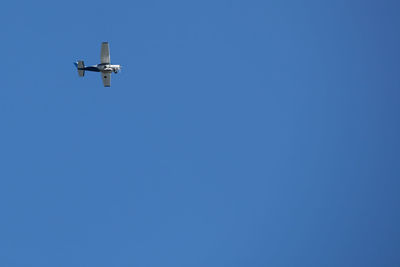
<point x="92" y="69"/>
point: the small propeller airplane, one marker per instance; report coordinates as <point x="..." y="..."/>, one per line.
<point x="105" y="68"/>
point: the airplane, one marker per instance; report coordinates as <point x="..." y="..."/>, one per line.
<point x="105" y="68"/>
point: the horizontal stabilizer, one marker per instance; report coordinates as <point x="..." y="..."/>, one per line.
<point x="80" y="65"/>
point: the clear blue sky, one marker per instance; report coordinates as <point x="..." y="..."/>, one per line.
<point x="239" y="133"/>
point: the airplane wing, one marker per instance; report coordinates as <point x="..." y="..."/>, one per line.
<point x="106" y="76"/>
<point x="105" y="53"/>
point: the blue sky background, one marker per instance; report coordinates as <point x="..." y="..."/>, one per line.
<point x="239" y="133"/>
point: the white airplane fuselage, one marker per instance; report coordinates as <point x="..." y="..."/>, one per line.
<point x="103" y="68"/>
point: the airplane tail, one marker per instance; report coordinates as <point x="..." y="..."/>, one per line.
<point x="80" y="65"/>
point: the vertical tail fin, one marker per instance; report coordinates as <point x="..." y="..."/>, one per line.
<point x="80" y="65"/>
